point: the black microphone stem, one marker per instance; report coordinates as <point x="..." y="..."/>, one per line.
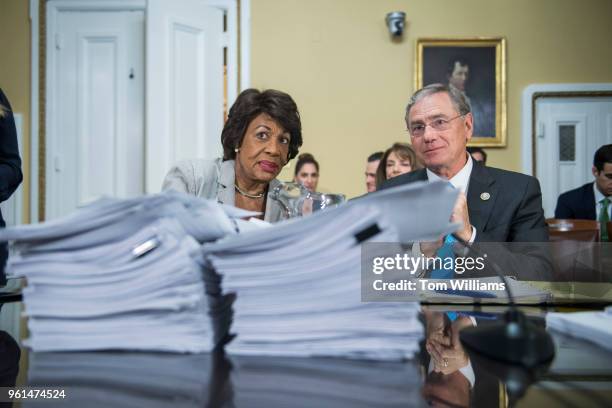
<point x="496" y="268"/>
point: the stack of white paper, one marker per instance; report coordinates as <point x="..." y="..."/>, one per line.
<point x="298" y="284"/>
<point x="119" y="274"/>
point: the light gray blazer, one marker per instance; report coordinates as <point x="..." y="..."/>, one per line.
<point x="214" y="179"/>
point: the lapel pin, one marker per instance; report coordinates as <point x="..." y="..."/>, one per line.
<point x="485" y="196"/>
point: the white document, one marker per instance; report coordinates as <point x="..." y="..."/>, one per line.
<point x="419" y="211"/>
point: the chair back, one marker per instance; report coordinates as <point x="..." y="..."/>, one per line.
<point x="575" y="249"/>
<point x="574" y="230"/>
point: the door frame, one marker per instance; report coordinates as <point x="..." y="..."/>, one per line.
<point x="42" y="62"/>
<point x="531" y="94"/>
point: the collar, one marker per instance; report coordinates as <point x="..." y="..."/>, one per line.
<point x="467" y="371"/>
<point x="226" y="193"/>
<point x="598" y="195"/>
<point x="225" y="182"/>
<point x="460" y="180"/>
<point x="226" y="173"/>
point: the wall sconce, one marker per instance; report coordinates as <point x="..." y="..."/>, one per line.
<point x="396" y="22"/>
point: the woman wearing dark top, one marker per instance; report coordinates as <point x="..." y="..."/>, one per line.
<point x="10" y="167"/>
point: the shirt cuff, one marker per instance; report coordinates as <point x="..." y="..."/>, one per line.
<point x="473" y="237"/>
<point x="468" y="373"/>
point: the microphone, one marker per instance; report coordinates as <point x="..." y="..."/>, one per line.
<point x="515" y="340"/>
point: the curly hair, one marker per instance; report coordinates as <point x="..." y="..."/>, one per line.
<point x="249" y="104"/>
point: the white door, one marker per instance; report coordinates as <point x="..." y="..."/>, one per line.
<point x="95" y="143"/>
<point x="568" y="132"/>
<point x="184" y="115"/>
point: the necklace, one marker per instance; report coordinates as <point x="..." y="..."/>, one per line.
<point x="244" y="193"/>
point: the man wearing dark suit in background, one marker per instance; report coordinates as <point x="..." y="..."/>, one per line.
<point x="370" y="171"/>
<point x="592" y="200"/>
<point x="494" y="205"/>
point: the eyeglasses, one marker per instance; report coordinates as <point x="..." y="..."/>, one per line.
<point x="439" y="124"/>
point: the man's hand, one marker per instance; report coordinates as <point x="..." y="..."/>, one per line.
<point x="460" y="214"/>
<point x="429" y="248"/>
<point x="445" y="349"/>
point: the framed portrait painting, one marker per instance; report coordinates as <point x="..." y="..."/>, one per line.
<point x="476" y="67"/>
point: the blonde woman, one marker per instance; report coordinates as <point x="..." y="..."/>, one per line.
<point x="10" y="167"/>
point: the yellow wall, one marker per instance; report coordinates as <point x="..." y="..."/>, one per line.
<point x="15" y="74"/>
<point x="351" y="82"/>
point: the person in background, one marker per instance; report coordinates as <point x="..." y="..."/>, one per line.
<point x="478" y="154"/>
<point x="593" y="200"/>
<point x="307" y="171"/>
<point x="370" y="171"/>
<point x="398" y="159"/>
<point x="262" y="133"/>
<point x="10" y="167"/>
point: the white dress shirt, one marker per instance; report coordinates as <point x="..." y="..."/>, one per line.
<point x="467" y="371"/>
<point x="460" y="181"/>
<point x="598" y="197"/>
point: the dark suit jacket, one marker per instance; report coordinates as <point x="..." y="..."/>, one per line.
<point x="9" y="361"/>
<point x="10" y="168"/>
<point x="512" y="214"/>
<point x="577" y="204"/>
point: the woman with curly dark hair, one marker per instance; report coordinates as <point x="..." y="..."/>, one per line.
<point x="262" y="133"/>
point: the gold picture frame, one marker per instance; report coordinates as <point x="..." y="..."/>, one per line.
<point x="477" y="66"/>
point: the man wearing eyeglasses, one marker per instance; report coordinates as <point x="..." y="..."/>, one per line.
<point x="494" y="205"/>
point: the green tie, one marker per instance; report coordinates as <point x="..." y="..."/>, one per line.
<point x="604" y="218"/>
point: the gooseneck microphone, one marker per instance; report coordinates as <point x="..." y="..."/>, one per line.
<point x="514" y="340"/>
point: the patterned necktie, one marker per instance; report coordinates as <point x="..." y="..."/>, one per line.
<point x="604" y="218"/>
